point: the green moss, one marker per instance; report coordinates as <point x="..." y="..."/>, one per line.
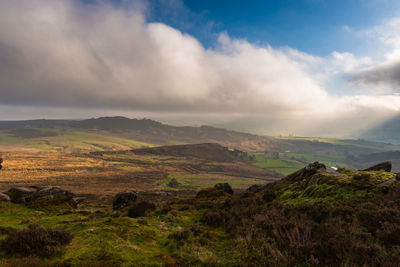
<point x="58" y="204"/>
<point x="333" y="187"/>
<point x="105" y="239"/>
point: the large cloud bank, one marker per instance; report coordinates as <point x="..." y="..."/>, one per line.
<point x="101" y="56"/>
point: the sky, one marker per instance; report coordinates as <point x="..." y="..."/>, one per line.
<point x="303" y="67"/>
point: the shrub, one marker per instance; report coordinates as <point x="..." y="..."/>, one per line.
<point x="25" y="262"/>
<point x="357" y="230"/>
<point x="211" y="193"/>
<point x="212" y="218"/>
<point x="180" y="237"/>
<point x="139" y="209"/>
<point x="36" y="240"/>
<point x="269" y="195"/>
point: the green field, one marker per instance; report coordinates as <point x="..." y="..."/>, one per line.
<point x="290" y="162"/>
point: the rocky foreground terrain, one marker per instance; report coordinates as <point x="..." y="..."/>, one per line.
<point x="311" y="217"/>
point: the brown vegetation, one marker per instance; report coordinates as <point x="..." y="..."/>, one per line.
<point x="36" y="241"/>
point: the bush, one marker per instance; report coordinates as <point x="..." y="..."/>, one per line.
<point x="25" y="262"/>
<point x="180" y="237"/>
<point x="139" y="209"/>
<point x="36" y="240"/>
<point x="212" y="218"/>
<point x="269" y="195"/>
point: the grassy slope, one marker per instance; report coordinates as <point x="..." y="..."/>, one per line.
<point x="346" y="142"/>
<point x="339" y="219"/>
<point x="72" y="140"/>
<point x="110" y="238"/>
<point x="121" y="241"/>
<point x="69" y="140"/>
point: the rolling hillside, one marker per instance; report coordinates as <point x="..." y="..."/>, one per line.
<point x="120" y="133"/>
<point x="387" y="131"/>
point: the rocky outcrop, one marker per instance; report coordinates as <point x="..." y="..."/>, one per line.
<point x="21" y="194"/>
<point x="4" y="198"/>
<point x="40" y="197"/>
<point x="306" y="172"/>
<point x="75" y="201"/>
<point x="50" y="193"/>
<point x="1" y="161"/>
<point x="384" y="166"/>
<point x="124" y="199"/>
<point x="50" y="196"/>
<point x="224" y="187"/>
<point x="386" y="183"/>
<point x="173" y="183"/>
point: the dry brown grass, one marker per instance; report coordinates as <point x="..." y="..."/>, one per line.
<point x="111" y="173"/>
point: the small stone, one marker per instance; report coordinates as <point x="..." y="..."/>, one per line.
<point x="4" y="197"/>
<point x="306" y="172"/>
<point x="173" y="183"/>
<point x="124" y="199"/>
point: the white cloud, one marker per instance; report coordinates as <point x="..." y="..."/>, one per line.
<point x="104" y="57"/>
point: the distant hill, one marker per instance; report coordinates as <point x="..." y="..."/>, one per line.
<point x="387" y="131"/>
<point x="207" y="151"/>
<point x="120" y="133"/>
<point x="145" y="131"/>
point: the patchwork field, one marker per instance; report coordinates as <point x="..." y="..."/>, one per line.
<point x="106" y="173"/>
<point x="286" y="163"/>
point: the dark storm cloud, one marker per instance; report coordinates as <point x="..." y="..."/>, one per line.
<point x="388" y="74"/>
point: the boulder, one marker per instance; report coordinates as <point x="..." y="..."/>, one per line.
<point x="21" y="194"/>
<point x="75" y="201"/>
<point x="384" y="166"/>
<point x="51" y="193"/>
<point x="173" y="183"/>
<point x="386" y="183"/>
<point x="40" y="197"/>
<point x="50" y="198"/>
<point x="314" y="179"/>
<point x="4" y="198"/>
<point x="224" y="187"/>
<point x="124" y="199"/>
<point x="306" y="172"/>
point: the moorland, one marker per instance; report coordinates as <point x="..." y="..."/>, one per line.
<point x="192" y="196"/>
